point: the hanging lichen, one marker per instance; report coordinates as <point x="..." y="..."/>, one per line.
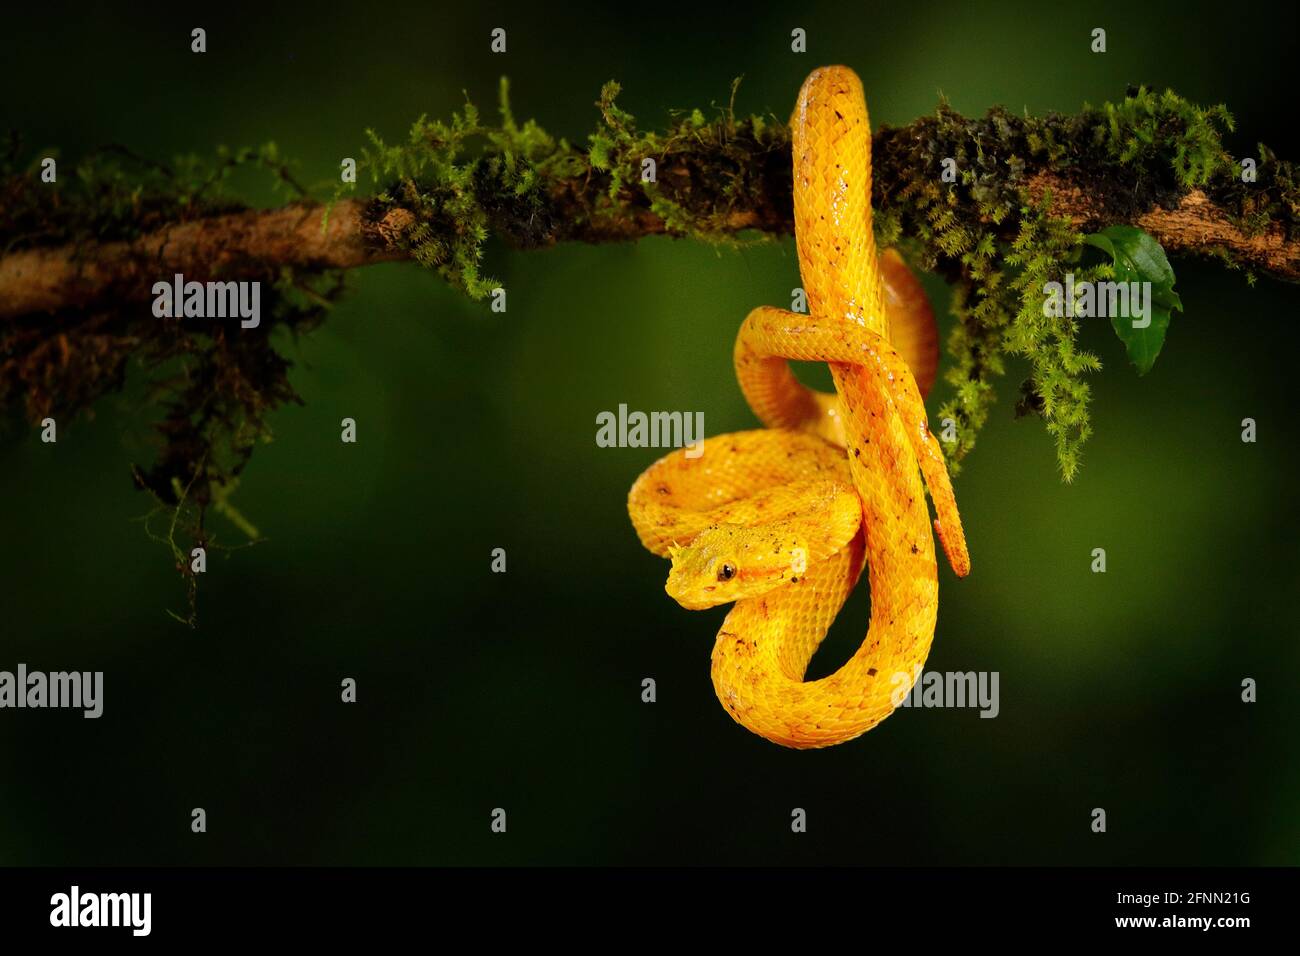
<point x="215" y="384"/>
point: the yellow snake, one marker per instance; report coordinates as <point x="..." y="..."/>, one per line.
<point x="778" y="520"/>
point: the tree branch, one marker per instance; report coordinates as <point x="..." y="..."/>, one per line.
<point x="255" y="245"/>
<point x="1195" y="225"/>
<point x="242" y="245"/>
<point x="716" y="186"/>
<point x="995" y="204"/>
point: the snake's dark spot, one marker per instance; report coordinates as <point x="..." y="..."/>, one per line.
<point x="915" y="549"/>
<point x="871" y="672"/>
<point x="857" y="453"/>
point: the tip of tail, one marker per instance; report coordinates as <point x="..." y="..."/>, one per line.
<point x="954" y="546"/>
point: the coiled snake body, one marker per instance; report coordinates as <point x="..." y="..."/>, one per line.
<point x="780" y="520"/>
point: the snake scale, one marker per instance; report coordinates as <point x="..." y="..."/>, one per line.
<point x="781" y="520"/>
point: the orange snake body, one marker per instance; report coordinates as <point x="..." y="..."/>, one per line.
<point x="780" y="520"/>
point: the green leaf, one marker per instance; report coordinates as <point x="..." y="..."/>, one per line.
<point x="1138" y="258"/>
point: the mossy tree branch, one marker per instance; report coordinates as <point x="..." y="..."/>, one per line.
<point x="729" y="179"/>
<point x="78" y="258"/>
<point x="352" y="233"/>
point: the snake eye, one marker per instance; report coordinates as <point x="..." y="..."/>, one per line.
<point x="726" y="572"/>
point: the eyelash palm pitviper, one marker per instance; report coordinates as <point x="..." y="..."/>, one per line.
<point x="780" y="520"/>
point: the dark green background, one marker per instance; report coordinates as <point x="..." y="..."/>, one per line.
<point x="477" y="431"/>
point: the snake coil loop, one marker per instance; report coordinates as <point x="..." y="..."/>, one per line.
<point x="781" y="520"/>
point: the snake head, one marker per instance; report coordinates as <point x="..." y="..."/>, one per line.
<point x="727" y="563"/>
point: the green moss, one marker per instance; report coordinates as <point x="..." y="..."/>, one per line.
<point x="465" y="179"/>
<point x="998" y="248"/>
<point x="983" y="233"/>
<point x="1147" y="126"/>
